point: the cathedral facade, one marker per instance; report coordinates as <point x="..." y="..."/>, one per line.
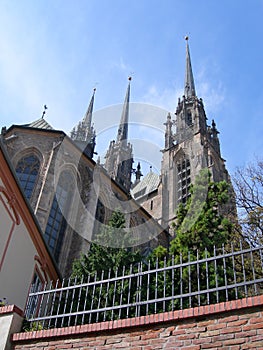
<point x="72" y="196"/>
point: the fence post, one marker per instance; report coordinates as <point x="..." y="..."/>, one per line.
<point x="11" y="318"/>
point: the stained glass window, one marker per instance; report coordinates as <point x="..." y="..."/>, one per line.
<point x="57" y="224"/>
<point x="27" y="171"/>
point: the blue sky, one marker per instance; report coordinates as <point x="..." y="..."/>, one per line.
<point x="55" y="51"/>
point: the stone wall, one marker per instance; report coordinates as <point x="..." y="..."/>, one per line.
<point x="230" y="325"/>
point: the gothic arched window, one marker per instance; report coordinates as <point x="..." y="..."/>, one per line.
<point x="27" y="171"/>
<point x="57" y="224"/>
<point x="189" y="120"/>
<point x="183" y="180"/>
<point x="100" y="212"/>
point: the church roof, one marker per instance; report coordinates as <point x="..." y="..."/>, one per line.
<point x="149" y="184"/>
<point x="40" y="123"/>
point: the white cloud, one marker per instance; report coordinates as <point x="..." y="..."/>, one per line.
<point x="166" y="99"/>
<point x="123" y="66"/>
<point x="213" y="96"/>
<point x="210" y="88"/>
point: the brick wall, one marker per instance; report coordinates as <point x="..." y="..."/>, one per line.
<point x="231" y="325"/>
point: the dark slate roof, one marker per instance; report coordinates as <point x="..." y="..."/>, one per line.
<point x="149" y="184"/>
<point x="40" y="123"/>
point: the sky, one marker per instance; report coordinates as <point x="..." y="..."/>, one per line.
<point x="55" y="52"/>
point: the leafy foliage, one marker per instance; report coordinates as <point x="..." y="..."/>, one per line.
<point x="3" y="302"/>
<point x="210" y="228"/>
<point x="200" y="227"/>
<point x="106" y="261"/>
<point x="107" y="257"/>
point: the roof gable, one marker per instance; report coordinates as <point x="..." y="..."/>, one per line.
<point x="149" y="184"/>
<point x="40" y="123"/>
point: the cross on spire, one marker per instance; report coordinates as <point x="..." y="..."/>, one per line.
<point x="44" y="111"/>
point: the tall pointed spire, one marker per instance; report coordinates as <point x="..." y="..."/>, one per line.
<point x="84" y="130"/>
<point x="84" y="134"/>
<point x="190" y="113"/>
<point x="119" y="158"/>
<point x="189" y="86"/>
<point x="88" y="115"/>
<point x="123" y="127"/>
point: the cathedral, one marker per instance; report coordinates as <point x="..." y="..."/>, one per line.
<point x="73" y="197"/>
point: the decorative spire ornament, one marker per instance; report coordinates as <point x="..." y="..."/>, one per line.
<point x="44" y="111"/>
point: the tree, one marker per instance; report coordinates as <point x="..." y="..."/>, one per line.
<point x="105" y="262"/>
<point x="106" y="257"/>
<point x="200" y="224"/>
<point x="248" y="184"/>
<point x="200" y="227"/>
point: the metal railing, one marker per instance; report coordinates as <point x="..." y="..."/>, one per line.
<point x="144" y="289"/>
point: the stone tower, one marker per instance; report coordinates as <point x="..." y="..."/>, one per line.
<point x="84" y="134"/>
<point x="119" y="158"/>
<point x="193" y="146"/>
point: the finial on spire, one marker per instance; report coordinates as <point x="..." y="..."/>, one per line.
<point x="95" y="87"/>
<point x="44" y="111"/>
<point x="138" y="173"/>
<point x="186" y="37"/>
<point x="129" y="78"/>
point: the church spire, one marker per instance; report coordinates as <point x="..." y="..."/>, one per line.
<point x="84" y="134"/>
<point x="88" y="115"/>
<point x="189" y="86"/>
<point x="119" y="158"/>
<point x="123" y="127"/>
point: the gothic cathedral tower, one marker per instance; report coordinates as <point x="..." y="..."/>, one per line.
<point x="193" y="146"/>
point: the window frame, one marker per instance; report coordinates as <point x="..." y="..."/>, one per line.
<point x="26" y="178"/>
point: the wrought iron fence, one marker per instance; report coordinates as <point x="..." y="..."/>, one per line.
<point x="144" y="289"/>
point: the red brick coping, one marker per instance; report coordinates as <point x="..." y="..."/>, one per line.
<point x="143" y="320"/>
<point x="10" y="309"/>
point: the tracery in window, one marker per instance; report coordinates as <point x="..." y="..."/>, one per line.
<point x="27" y="170"/>
<point x="57" y="224"/>
<point x="184" y="180"/>
<point x="189" y="120"/>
